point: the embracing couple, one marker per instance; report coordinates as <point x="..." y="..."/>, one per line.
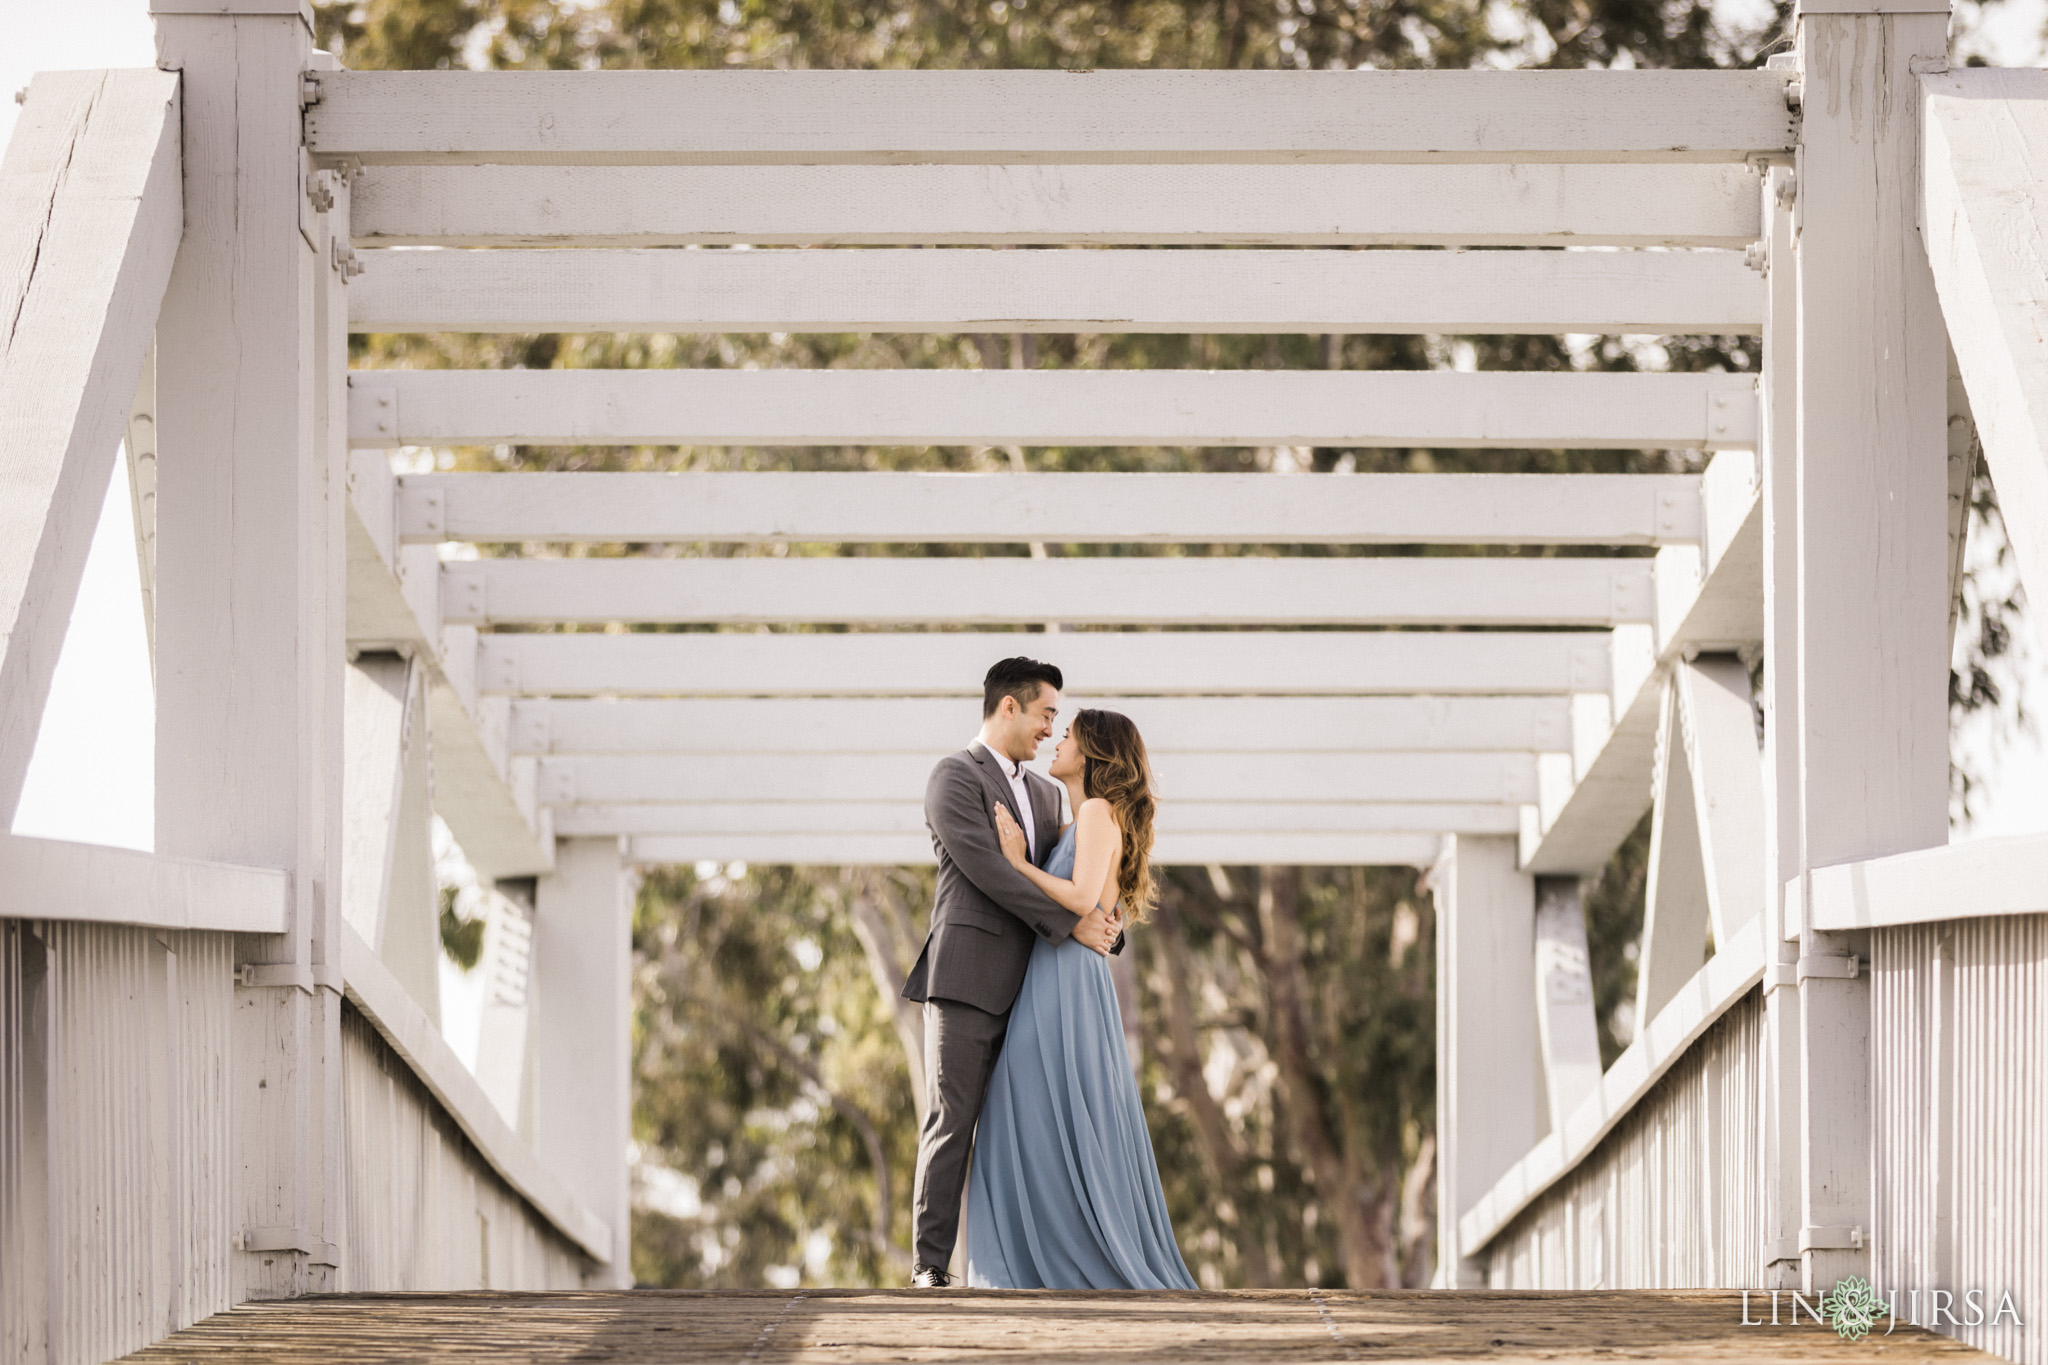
<point x="1024" y="1055"/>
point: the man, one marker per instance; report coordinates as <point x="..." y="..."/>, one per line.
<point x="985" y="918"/>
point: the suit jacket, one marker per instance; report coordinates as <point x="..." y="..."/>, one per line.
<point x="986" y="914"/>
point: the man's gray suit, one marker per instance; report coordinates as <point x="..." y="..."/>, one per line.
<point x="986" y="916"/>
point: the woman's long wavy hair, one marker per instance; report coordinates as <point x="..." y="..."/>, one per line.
<point x="1115" y="768"/>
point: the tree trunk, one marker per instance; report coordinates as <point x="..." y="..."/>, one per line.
<point x="1322" y="1150"/>
<point x="888" y="933"/>
<point x="1181" y="1050"/>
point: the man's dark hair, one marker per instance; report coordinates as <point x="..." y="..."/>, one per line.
<point x="1020" y="678"/>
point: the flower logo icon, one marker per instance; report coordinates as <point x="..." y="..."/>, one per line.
<point x="1852" y="1306"/>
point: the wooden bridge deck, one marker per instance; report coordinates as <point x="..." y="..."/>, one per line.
<point x="828" y="1327"/>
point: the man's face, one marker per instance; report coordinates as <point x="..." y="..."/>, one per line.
<point x="1021" y="729"/>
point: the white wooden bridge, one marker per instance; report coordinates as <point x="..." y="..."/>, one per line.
<point x="221" y="1073"/>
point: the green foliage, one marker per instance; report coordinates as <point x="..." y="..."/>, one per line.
<point x="767" y="1071"/>
<point x="461" y="939"/>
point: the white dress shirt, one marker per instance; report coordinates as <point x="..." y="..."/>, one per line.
<point x="1015" y="773"/>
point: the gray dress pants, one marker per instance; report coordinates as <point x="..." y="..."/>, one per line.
<point x="960" y="1048"/>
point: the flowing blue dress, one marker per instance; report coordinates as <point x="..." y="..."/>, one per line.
<point x="1064" y="1191"/>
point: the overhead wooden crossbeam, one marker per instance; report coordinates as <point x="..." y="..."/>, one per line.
<point x="897" y="508"/>
<point x="935" y="725"/>
<point x="1497" y="204"/>
<point x="1985" y="172"/>
<point x="981" y="290"/>
<point x="900" y="850"/>
<point x="1097" y="590"/>
<point x="91" y="212"/>
<point x="616" y="779"/>
<point x="1180" y="816"/>
<point x="651" y="118"/>
<point x="1103" y="663"/>
<point x="1394" y="408"/>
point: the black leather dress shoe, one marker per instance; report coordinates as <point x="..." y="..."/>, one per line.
<point x="929" y="1277"/>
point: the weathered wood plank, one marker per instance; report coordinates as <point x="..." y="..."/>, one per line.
<point x="1051" y="407"/>
<point x="844" y="1326"/>
<point x="1480" y="204"/>
<point x="91" y="211"/>
<point x="1099" y="590"/>
<point x="973" y="290"/>
<point x="895" y="508"/>
<point x="698" y="117"/>
<point x="935" y="725"/>
<point x="1214" y="663"/>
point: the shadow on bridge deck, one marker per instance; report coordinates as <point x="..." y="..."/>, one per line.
<point x="829" y="1325"/>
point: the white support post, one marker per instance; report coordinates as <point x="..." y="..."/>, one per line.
<point x="387" y="888"/>
<point x="1565" y="1023"/>
<point x="1872" y="705"/>
<point x="1718" y="723"/>
<point x="1674" y="943"/>
<point x="581" y="984"/>
<point x="504" y="1049"/>
<point x="249" y="602"/>
<point x="1782" y="814"/>
<point x="1489" y="1108"/>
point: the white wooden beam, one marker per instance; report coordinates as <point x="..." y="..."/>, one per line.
<point x="1675" y="918"/>
<point x="1236" y="850"/>
<point x="1986" y="164"/>
<point x="1778" y="467"/>
<point x="582" y="1002"/>
<point x="53" y="879"/>
<point x="936" y="725"/>
<point x="388" y="890"/>
<point x="1717" y="722"/>
<point x="416" y="1038"/>
<point x="250" y="563"/>
<point x="1873" y="651"/>
<point x="904" y="817"/>
<point x="1097" y="590"/>
<point x="1300" y="663"/>
<point x="1480" y="204"/>
<point x="91" y="211"/>
<point x="893" y="508"/>
<point x="686" y="117"/>
<point x="2006" y="876"/>
<point x="504" y="1052"/>
<point x="1051" y="407"/>
<point x="968" y="290"/>
<point x="1385" y="777"/>
<point x="375" y="707"/>
<point x="1566" y="1028"/>
<point x="1488" y="1061"/>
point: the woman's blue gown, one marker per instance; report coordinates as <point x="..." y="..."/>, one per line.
<point x="1064" y="1191"/>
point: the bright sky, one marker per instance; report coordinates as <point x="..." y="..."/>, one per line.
<point x="92" y="775"/>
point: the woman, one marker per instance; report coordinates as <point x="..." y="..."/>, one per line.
<point x="1065" y="1190"/>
